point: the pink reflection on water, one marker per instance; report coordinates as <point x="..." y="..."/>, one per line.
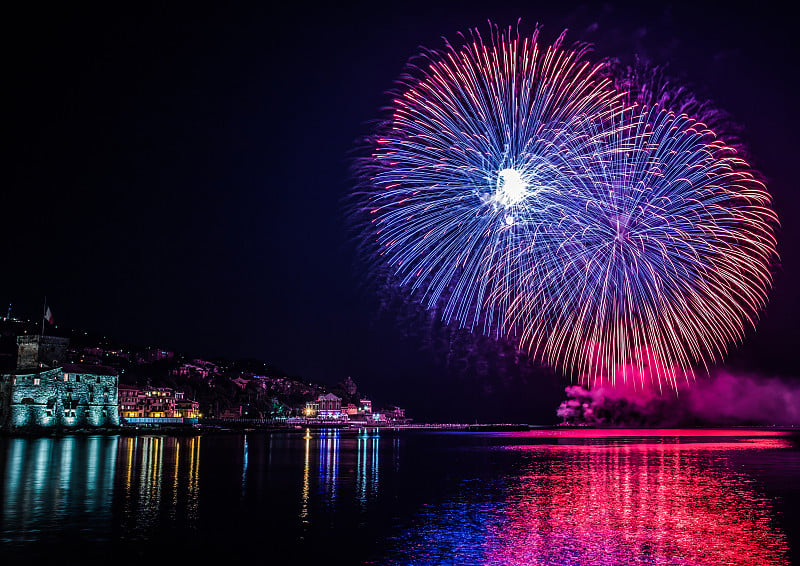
<point x="602" y="433"/>
<point x="634" y="504"/>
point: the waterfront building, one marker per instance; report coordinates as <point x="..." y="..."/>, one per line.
<point x="186" y="408"/>
<point x="311" y="409"/>
<point x="330" y="406"/>
<point x="155" y="403"/>
<point x="366" y="406"/>
<point x="129" y="401"/>
<point x="44" y="392"/>
<point x="396" y="414"/>
<point x="158" y="402"/>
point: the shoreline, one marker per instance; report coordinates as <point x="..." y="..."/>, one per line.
<point x="241" y="428"/>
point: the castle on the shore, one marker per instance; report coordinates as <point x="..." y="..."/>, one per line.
<point x="44" y="392"/>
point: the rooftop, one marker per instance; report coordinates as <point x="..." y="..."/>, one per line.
<point x="92" y="369"/>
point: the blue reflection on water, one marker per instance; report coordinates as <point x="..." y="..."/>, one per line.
<point x="50" y="485"/>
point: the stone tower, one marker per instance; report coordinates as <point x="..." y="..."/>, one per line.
<point x="38" y="351"/>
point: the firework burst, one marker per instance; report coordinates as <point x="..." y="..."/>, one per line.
<point x="657" y="262"/>
<point x="522" y="192"/>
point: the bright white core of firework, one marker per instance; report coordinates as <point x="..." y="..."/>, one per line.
<point x="511" y="187"/>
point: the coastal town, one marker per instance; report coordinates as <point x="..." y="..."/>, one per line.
<point x="75" y="381"/>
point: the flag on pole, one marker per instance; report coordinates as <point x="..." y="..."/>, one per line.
<point x="48" y="316"/>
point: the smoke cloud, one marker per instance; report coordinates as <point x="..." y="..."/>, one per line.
<point x="722" y="399"/>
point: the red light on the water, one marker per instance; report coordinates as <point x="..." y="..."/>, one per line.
<point x="655" y="504"/>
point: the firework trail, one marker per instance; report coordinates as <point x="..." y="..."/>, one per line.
<point x="522" y="192"/>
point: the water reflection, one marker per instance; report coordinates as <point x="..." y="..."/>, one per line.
<point x="306" y="478"/>
<point x="368" y="465"/>
<point x="602" y="502"/>
<point x="245" y="461"/>
<point x="328" y="464"/>
<point x="50" y="482"/>
<point x="160" y="480"/>
<point x="334" y="453"/>
<point x="637" y="505"/>
<point x="574" y="498"/>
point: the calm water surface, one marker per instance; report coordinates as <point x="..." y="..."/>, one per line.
<point x="565" y="497"/>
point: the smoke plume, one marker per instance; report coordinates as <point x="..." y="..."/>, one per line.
<point x="722" y="399"/>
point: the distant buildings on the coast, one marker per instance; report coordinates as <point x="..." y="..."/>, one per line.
<point x="329" y="407"/>
<point x="47" y="381"/>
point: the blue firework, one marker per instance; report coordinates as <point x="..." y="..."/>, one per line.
<point x="521" y="192"/>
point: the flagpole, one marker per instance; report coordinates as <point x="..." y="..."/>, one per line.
<point x="44" y="311"/>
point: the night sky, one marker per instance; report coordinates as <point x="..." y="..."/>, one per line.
<point x="176" y="177"/>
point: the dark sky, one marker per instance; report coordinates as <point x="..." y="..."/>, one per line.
<point x="175" y="176"/>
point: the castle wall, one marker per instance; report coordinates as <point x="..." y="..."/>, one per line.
<point x="59" y="398"/>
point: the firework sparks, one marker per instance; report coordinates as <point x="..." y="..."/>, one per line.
<point x="522" y="193"/>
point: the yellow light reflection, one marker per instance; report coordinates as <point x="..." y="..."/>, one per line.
<point x="306" y="480"/>
<point x="161" y="477"/>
